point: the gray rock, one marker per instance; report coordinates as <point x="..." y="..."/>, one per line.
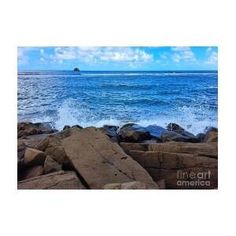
<point x="133" y="133"/>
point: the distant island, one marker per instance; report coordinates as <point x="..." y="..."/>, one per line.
<point x="76" y="69"/>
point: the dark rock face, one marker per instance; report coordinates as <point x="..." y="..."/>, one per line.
<point x="211" y="136"/>
<point x="66" y="127"/>
<point x="155" y="130"/>
<point x="74" y="126"/>
<point x="33" y="157"/>
<point x="133" y="133"/>
<point x="33" y="171"/>
<point x="177" y="133"/>
<point x="111" y="131"/>
<point x="27" y="128"/>
<point x="201" y="137"/>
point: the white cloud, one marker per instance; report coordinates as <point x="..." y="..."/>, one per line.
<point x="212" y="57"/>
<point x="103" y="54"/>
<point x="183" y="54"/>
<point x="22" y="57"/>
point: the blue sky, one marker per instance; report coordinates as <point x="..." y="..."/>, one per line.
<point x="117" y="58"/>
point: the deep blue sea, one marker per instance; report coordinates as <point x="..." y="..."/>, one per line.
<point x="98" y="98"/>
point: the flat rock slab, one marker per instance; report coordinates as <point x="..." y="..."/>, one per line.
<point x="165" y="160"/>
<point x="130" y="185"/>
<point x="179" y="170"/>
<point x="56" y="180"/>
<point x="201" y="149"/>
<point x="100" y="161"/>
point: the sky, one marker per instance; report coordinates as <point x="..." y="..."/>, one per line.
<point x="117" y="58"/>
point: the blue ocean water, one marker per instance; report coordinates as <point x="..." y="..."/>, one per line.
<point x="98" y="98"/>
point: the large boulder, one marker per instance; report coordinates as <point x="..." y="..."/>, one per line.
<point x="111" y="131"/>
<point x="55" y="180"/>
<point x="133" y="133"/>
<point x="100" y="161"/>
<point x="130" y="185"/>
<point x="179" y="170"/>
<point x="52" y="146"/>
<point x="178" y="134"/>
<point x="27" y="128"/>
<point x="155" y="131"/>
<point x="34" y="157"/>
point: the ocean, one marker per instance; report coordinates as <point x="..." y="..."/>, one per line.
<point x="96" y="98"/>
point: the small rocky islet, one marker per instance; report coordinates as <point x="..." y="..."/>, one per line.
<point x="112" y="157"/>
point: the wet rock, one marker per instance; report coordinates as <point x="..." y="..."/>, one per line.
<point x="133" y="133"/>
<point x="77" y="126"/>
<point x="176" y="133"/>
<point x="211" y="136"/>
<point x="111" y="131"/>
<point x="201" y="137"/>
<point x="73" y="126"/>
<point x="155" y="131"/>
<point x="55" y="180"/>
<point x="66" y="127"/>
<point x="168" y="136"/>
<point x="34" y="157"/>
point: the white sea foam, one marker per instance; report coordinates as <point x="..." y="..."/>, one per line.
<point x="72" y="112"/>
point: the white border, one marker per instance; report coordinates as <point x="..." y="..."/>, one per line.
<point x="119" y="23"/>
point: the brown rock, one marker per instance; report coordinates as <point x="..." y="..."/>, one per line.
<point x="211" y="136"/>
<point x="21" y="146"/>
<point x="165" y="160"/>
<point x="167" y="166"/>
<point x="134" y="146"/>
<point x="130" y="185"/>
<point x="55" y="180"/>
<point x="201" y="149"/>
<point x="52" y="146"/>
<point x="32" y="141"/>
<point x="33" y="172"/>
<point x="34" y="157"/>
<point x="27" y="128"/>
<point x="100" y="161"/>
<point x="50" y="165"/>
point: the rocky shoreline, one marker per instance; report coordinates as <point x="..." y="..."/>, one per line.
<point x="112" y="157"/>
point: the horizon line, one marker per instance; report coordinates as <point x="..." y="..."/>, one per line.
<point x="111" y="70"/>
